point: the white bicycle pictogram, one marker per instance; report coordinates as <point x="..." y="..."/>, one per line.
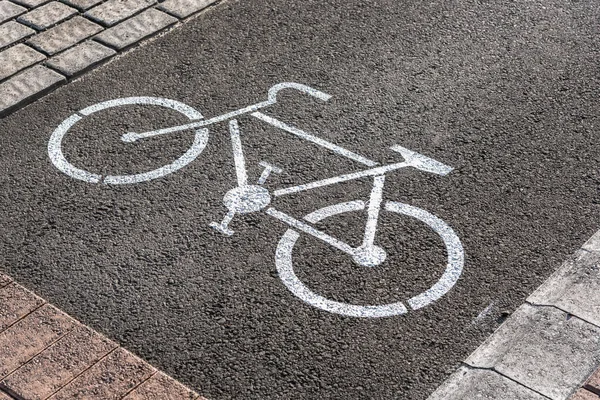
<point x="254" y="197"/>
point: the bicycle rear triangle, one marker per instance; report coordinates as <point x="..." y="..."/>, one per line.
<point x="251" y="196"/>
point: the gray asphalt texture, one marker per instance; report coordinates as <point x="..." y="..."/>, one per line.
<point x="505" y="92"/>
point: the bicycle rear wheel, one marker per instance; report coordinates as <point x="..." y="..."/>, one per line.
<point x="59" y="160"/>
<point x="455" y="261"/>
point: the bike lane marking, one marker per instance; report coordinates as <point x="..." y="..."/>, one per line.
<point x="123" y="245"/>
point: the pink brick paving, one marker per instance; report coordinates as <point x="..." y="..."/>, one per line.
<point x="590" y="389"/>
<point x="46" y="354"/>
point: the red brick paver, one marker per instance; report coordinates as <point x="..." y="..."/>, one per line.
<point x="111" y="378"/>
<point x="15" y="303"/>
<point x="56" y="366"/>
<point x="4" y="280"/>
<point x="28" y="337"/>
<point x="583" y="394"/>
<point x="46" y="354"/>
<point x="161" y="387"/>
<point x="593" y="382"/>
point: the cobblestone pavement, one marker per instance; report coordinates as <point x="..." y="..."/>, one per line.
<point x="45" y="43"/>
<point x="46" y="354"/>
<point x="548" y="347"/>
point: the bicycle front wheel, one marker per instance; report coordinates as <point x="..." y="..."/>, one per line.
<point x="57" y="157"/>
<point x="455" y="261"/>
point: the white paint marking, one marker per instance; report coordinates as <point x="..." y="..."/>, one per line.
<point x="314" y="139"/>
<point x="200" y="140"/>
<point x="342" y="178"/>
<point x="268" y="168"/>
<point x="298" y="86"/>
<point x="373" y="211"/>
<point x="454" y="248"/>
<point x="58" y="159"/>
<point x="238" y="155"/>
<point x="422" y="162"/>
<point x="223" y="226"/>
<point x="310" y="230"/>
<point x="283" y="261"/>
<point x="486" y="311"/>
<point x="272" y="99"/>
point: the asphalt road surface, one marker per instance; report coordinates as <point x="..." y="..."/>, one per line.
<point x="504" y="92"/>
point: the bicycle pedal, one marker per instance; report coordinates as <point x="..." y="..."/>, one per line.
<point x="223" y="229"/>
<point x="270" y="167"/>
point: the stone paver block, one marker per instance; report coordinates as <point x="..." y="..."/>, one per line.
<point x="31" y="3"/>
<point x="4" y="280"/>
<point x="59" y="364"/>
<point x="13" y="31"/>
<point x="543" y="349"/>
<point x="82" y="4"/>
<point x="28" y="337"/>
<point x="27" y="86"/>
<point x="64" y="35"/>
<point x="16" y="58"/>
<point x="15" y="303"/>
<point x="574" y="287"/>
<point x="593" y="244"/>
<point x="112" y="378"/>
<point x="184" y="8"/>
<point x="81" y="57"/>
<point x="10" y="10"/>
<point x="583" y="394"/>
<point x="114" y="11"/>
<point x="47" y="15"/>
<point x="161" y="387"/>
<point x="136" y="28"/>
<point x="472" y="384"/>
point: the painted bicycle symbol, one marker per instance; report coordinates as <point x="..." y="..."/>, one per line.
<point x="253" y="197"/>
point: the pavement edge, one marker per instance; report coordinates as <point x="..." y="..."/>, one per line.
<point x="548" y="348"/>
<point x="47" y="354"/>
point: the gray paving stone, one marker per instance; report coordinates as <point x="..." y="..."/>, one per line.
<point x="82" y="4"/>
<point x="31" y="3"/>
<point x="13" y="31"/>
<point x="27" y="86"/>
<point x="574" y="287"/>
<point x="543" y="349"/>
<point x="9" y="10"/>
<point x="114" y="11"/>
<point x="80" y="58"/>
<point x="594" y="243"/>
<point x="47" y="15"/>
<point x="184" y="8"/>
<point x="468" y="383"/>
<point x="136" y="28"/>
<point x="65" y="35"/>
<point x="16" y="58"/>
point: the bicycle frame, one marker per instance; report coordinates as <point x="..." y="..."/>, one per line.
<point x="251" y="198"/>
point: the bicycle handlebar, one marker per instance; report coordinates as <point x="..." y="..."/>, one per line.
<point x="271" y="99"/>
<point x="298" y="86"/>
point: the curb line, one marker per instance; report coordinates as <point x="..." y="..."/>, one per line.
<point x="548" y="348"/>
<point x="46" y="354"/>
